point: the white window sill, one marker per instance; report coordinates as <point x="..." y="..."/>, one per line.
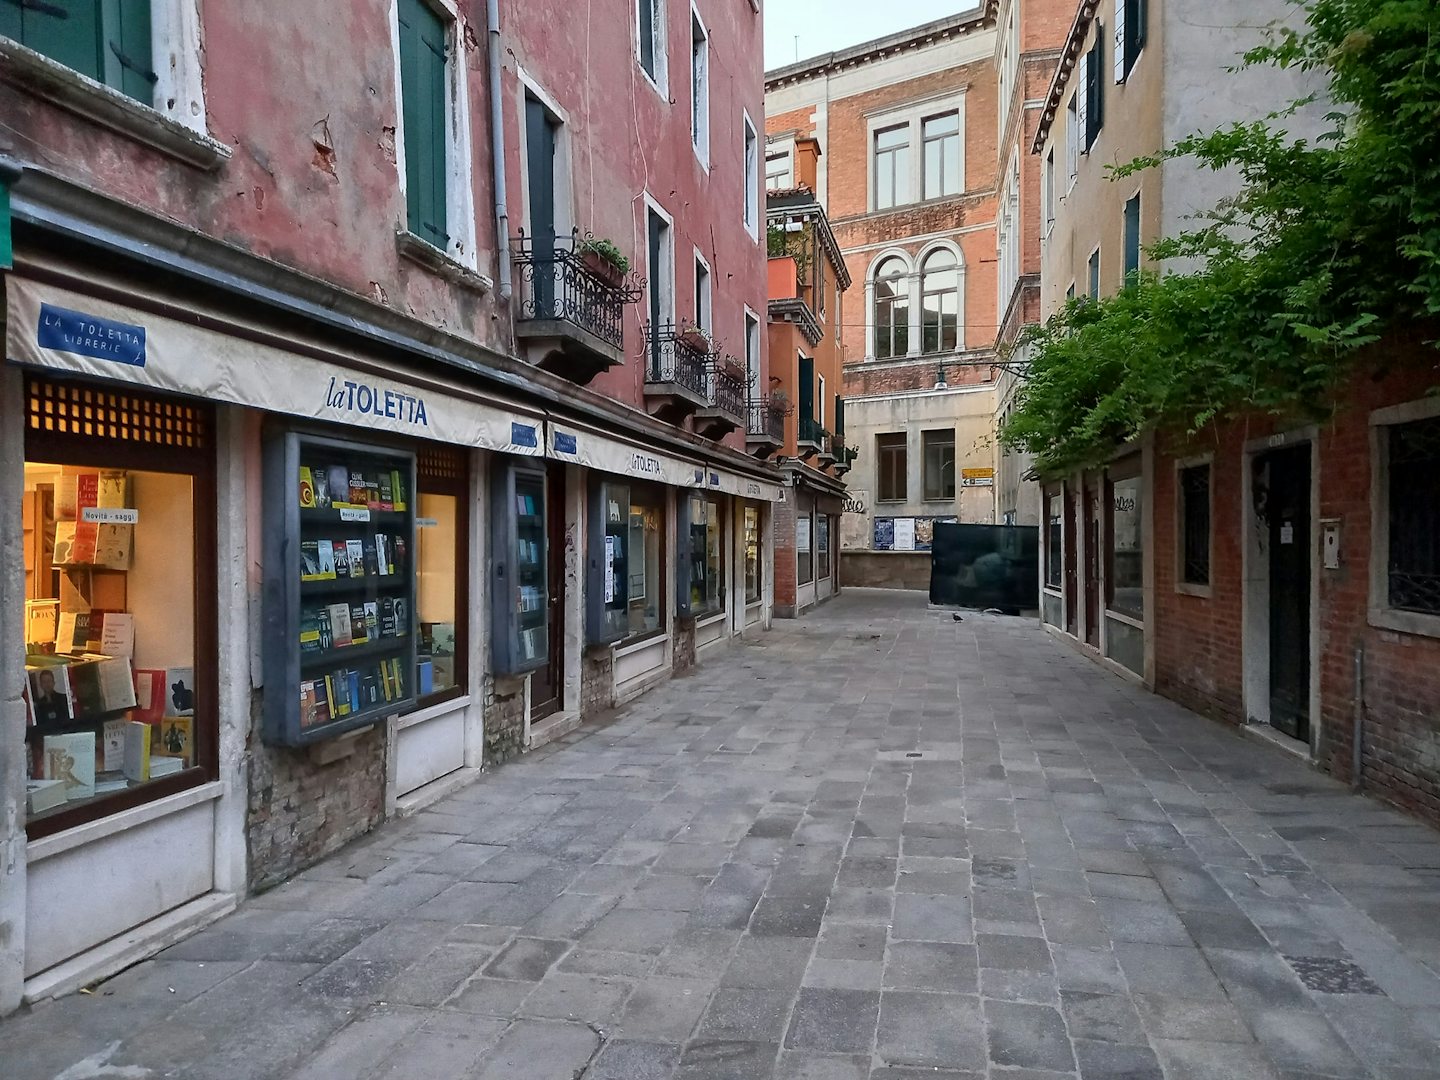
<point x="43" y="78"/>
<point x="1188" y="588"/>
<point x="652" y="638"/>
<point x="430" y="712"/>
<point x="426" y="254"/>
<point x="1406" y="622"/>
<point x="653" y="83"/>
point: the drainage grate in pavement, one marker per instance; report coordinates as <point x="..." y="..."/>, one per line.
<point x="943" y="754"/>
<point x="1331" y="975"/>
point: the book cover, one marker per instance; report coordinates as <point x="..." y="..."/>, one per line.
<point x="112" y="741"/>
<point x="112" y="546"/>
<point x="359" y="491"/>
<point x="372" y="492"/>
<point x="105" y="681"/>
<point x="149" y="694"/>
<point x="370" y="689"/>
<point x="307" y="489"/>
<point x="383" y="566"/>
<point x="164" y="766"/>
<point x="51" y="694"/>
<point x="72" y="631"/>
<point x="397" y="553"/>
<point x="355" y="555"/>
<point x="175" y="737"/>
<point x="308" y="702"/>
<point x="372" y="620"/>
<point x="339" y="706"/>
<point x="326" y="559"/>
<point x="387" y="617"/>
<point x="322" y="702"/>
<point x="43" y="795"/>
<point x="71" y="758"/>
<point x="397" y="490"/>
<point x="322" y="618"/>
<point x="180" y="693"/>
<point x="112" y="488"/>
<point x="342" y="558"/>
<point x="352" y="682"/>
<point x="309" y="630"/>
<point x="339" y="478"/>
<point x="398" y="671"/>
<point x="359" y="628"/>
<point x="427" y="677"/>
<point x="42" y="623"/>
<point x="387" y="492"/>
<point x="372" y="562"/>
<point x="340" y="629"/>
<point x="310" y="561"/>
<point x="320" y="481"/>
<point x="117" y="633"/>
<point x="402" y="616"/>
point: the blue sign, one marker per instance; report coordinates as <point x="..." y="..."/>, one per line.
<point x="89" y="335"/>
<point x="884" y="534"/>
<point x="565" y="444"/>
<point x="523" y="435"/>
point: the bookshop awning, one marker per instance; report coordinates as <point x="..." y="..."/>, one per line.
<point x="595" y="449"/>
<point x="64" y="331"/>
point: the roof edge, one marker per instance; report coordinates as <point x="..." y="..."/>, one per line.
<point x="915" y="36"/>
<point x="1069" y="55"/>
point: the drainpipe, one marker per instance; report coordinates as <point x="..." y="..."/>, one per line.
<point x="497" y="149"/>
<point x="1357" y="760"/>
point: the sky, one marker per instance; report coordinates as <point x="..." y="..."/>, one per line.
<point x="825" y="25"/>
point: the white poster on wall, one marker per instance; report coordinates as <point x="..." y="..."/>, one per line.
<point x="904" y="534"/>
<point x="802" y="534"/>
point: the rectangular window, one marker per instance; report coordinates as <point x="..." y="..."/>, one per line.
<point x="1070" y="291"/>
<point x="650" y="17"/>
<point x="805" y="406"/>
<point x="1072" y="140"/>
<point x="1124" y="580"/>
<point x="890" y="465"/>
<point x="752" y="357"/>
<point x="120" y="695"/>
<point x="645" y="565"/>
<point x="822" y="546"/>
<point x="892" y="166"/>
<point x="1194" y="485"/>
<point x="804" y="546"/>
<point x="699" y="89"/>
<point x="778" y="174"/>
<point x="659" y="268"/>
<point x="106" y="41"/>
<point x="1092" y="272"/>
<point x="422" y="97"/>
<point x="1094" y="87"/>
<point x="441" y="553"/>
<point x="1049" y="179"/>
<point x="1413" y="495"/>
<point x="1129" y="35"/>
<point x="820" y="400"/>
<point x="750" y="152"/>
<point x="702" y="295"/>
<point x="941" y="138"/>
<point x="1132" y="239"/>
<point x="938" y="448"/>
<point x="752" y="554"/>
<point x="1054" y="542"/>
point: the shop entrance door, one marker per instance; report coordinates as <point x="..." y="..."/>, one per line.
<point x="547" y="685"/>
<point x="1284" y="478"/>
<point x="1072" y="533"/>
<point x="1092" y="561"/>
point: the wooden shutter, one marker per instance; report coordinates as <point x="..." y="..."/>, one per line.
<point x="1121" y="53"/>
<point x="1137" y="19"/>
<point x="839" y="417"/>
<point x="422" y="94"/>
<point x="125" y="48"/>
<point x="1082" y="109"/>
<point x="69" y="35"/>
<point x="1095" y="88"/>
<point x="807" y="388"/>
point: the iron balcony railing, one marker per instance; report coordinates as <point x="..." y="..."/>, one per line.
<point x="837" y="446"/>
<point x="765" y="418"/>
<point x="729" y="389"/>
<point x="673" y="359"/>
<point x="556" y="283"/>
<point x="812" y="432"/>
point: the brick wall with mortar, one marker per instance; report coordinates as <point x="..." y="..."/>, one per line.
<point x="504" y="719"/>
<point x="301" y="811"/>
<point x="783" y="516"/>
<point x="1198" y="641"/>
<point x="597" y="682"/>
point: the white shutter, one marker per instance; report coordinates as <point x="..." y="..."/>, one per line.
<point x="1082" y="104"/>
<point x="1119" y="41"/>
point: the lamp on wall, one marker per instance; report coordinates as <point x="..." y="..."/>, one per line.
<point x="940" y="383"/>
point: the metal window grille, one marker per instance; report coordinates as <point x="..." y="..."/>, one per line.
<point x="72" y="410"/>
<point x="1414" y="500"/>
<point x="1195" y="524"/>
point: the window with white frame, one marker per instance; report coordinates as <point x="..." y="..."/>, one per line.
<point x="699" y="88"/>
<point x="1007" y="236"/>
<point x="1049" y="182"/>
<point x="1009" y="64"/>
<point x="1092" y="271"/>
<point x="1130" y="18"/>
<point x="1411" y="494"/>
<point x="702" y="294"/>
<point x="820" y="400"/>
<point x="650" y="38"/>
<point x="1131" y="238"/>
<point x="892" y="309"/>
<point x="939" y="302"/>
<point x="892" y="166"/>
<point x="1092" y="87"/>
<point x="1072" y="140"/>
<point x="779" y="176"/>
<point x="659" y="270"/>
<point x="938" y="459"/>
<point x="940" y="136"/>
<point x="750" y="152"/>
<point x="752" y="356"/>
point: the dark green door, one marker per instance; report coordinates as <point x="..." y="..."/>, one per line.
<point x="540" y="159"/>
<point x="1283" y="478"/>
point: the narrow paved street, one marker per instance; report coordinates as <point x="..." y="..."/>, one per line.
<point x="875" y="843"/>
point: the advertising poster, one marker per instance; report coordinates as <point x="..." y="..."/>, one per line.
<point x="904" y="534"/>
<point x="884" y="534"/>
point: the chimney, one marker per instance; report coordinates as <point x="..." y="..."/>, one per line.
<point x="807" y="162"/>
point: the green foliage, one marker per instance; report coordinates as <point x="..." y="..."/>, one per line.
<point x="606" y="250"/>
<point x="1326" y="247"/>
<point x="780" y="244"/>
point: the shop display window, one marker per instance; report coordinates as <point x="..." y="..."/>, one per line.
<point x="520" y="590"/>
<point x="441" y="561"/>
<point x="822" y="544"/>
<point x="752" y="554"/>
<point x="1126" y="547"/>
<point x="118" y="513"/>
<point x="706" y="578"/>
<point x="804" y="558"/>
<point x="340" y="544"/>
<point x="607" y="594"/>
<point x="645" y="591"/>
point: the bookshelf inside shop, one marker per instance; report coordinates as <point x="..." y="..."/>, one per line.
<point x="339" y="586"/>
<point x="520" y="597"/>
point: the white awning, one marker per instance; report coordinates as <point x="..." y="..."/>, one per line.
<point x="65" y="331"/>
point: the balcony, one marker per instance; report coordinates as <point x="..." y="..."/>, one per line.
<point x="569" y="308"/>
<point x="726" y="410"/>
<point x="677" y="373"/>
<point x="832" y="448"/>
<point x="765" y="425"/>
<point x="842" y="456"/>
<point x="813" y="438"/>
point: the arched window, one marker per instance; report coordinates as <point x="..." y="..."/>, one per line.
<point x="939" y="302"/>
<point x="892" y="309"/>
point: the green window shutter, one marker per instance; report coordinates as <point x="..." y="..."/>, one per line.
<point x="422" y="94"/>
<point x="125" y="48"/>
<point x="839" y="417"/>
<point x="69" y="34"/>
<point x="807" y="388"/>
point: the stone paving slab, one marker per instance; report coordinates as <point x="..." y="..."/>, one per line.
<point x="873" y="844"/>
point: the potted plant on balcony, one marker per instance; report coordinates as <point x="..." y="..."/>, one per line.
<point x="694" y="339"/>
<point x="603" y="259"/>
<point x="780" y="402"/>
<point x="730" y="366"/>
